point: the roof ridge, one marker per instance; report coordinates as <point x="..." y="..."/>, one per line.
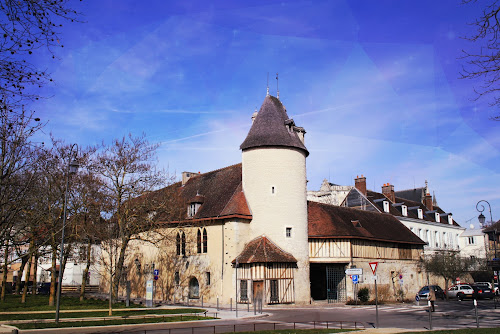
<point x="219" y="169"/>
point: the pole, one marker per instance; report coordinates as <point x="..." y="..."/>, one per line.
<point x="477" y="318"/>
<point x="61" y="256"/>
<point x="376" y="304"/>
<point x="430" y="314"/>
<point x="236" y="293"/>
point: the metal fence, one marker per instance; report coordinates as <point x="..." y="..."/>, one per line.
<point x="247" y="327"/>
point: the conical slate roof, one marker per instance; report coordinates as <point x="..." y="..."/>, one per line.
<point x="269" y="128"/>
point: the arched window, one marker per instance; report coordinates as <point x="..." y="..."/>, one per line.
<point x="178" y="243"/>
<point x="181" y="243"/>
<point x="205" y="240"/>
<point x="194" y="288"/>
<point x="198" y="242"/>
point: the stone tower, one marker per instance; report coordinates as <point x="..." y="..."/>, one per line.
<point x="274" y="183"/>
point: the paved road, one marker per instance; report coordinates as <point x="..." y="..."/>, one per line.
<point x="448" y="315"/>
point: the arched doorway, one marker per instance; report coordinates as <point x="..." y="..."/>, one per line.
<point x="194" y="288"/>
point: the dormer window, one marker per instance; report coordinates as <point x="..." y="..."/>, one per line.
<point x="386" y="206"/>
<point x="194" y="205"/>
<point x="438" y="218"/>
<point x="450" y="219"/>
<point x="420" y="214"/>
<point x="404" y="210"/>
<point x="192" y="208"/>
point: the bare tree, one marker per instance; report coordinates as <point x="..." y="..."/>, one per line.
<point x="447" y="264"/>
<point x="128" y="170"/>
<point x="483" y="62"/>
<point x="27" y="27"/>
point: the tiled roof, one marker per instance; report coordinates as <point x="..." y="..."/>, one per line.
<point x="495" y="227"/>
<point x="328" y="221"/>
<point x="263" y="250"/>
<point x="372" y="196"/>
<point x="416" y="194"/>
<point x="269" y="129"/>
<point x="221" y="190"/>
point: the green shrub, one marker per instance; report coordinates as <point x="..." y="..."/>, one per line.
<point x="363" y="295"/>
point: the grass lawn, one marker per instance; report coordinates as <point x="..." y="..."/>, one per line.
<point x="300" y="331"/>
<point x="462" y="331"/>
<point x="12" y="303"/>
<point x="87" y="314"/>
<point x="108" y="322"/>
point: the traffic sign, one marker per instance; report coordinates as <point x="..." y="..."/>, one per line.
<point x="156" y="277"/>
<point x="156" y="272"/>
<point x="373" y="266"/>
<point x="355" y="279"/>
<point x="354" y="271"/>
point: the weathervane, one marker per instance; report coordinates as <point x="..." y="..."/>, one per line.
<point x="278" y="86"/>
<point x="267" y="94"/>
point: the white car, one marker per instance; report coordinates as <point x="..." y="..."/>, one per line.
<point x="460" y="291"/>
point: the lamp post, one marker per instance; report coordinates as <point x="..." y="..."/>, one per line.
<point x="71" y="169"/>
<point x="482" y="220"/>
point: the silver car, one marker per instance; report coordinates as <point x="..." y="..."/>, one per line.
<point x="460" y="291"/>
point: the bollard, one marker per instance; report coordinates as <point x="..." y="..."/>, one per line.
<point x="15" y="331"/>
<point x="231" y="304"/>
<point x="217" y="303"/>
<point x="201" y="301"/>
<point x="477" y="318"/>
<point x="430" y="314"/>
<point x="248" y="307"/>
<point x="254" y="308"/>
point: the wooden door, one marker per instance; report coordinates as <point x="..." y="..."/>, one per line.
<point x="258" y="290"/>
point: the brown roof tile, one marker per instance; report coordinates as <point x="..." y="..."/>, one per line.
<point x="220" y="190"/>
<point x="341" y="222"/>
<point x="269" y="128"/>
<point x="263" y="250"/>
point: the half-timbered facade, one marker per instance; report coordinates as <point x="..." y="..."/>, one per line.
<point x="341" y="238"/>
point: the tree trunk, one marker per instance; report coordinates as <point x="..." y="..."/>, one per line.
<point x="28" y="272"/>
<point x="119" y="265"/>
<point x="35" y="269"/>
<point x="24" y="260"/>
<point x="53" y="278"/>
<point x="110" y="312"/>
<point x="4" y="276"/>
<point x="85" y="272"/>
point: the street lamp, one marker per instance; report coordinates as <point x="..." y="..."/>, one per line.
<point x="71" y="169"/>
<point x="492" y="234"/>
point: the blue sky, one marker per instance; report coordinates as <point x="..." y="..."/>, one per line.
<point x="374" y="83"/>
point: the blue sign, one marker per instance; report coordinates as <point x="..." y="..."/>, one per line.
<point x="156" y="272"/>
<point x="156" y="277"/>
<point x="355" y="279"/>
<point x="417" y="298"/>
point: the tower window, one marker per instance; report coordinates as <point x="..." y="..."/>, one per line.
<point x="207" y="276"/>
<point x="288" y="232"/>
<point x="272" y="190"/>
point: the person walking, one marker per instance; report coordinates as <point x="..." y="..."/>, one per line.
<point x="432" y="297"/>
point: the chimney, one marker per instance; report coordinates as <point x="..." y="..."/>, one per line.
<point x="428" y="202"/>
<point x="186" y="176"/>
<point x="360" y="184"/>
<point x="388" y="191"/>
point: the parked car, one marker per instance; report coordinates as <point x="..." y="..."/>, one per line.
<point x="424" y="292"/>
<point x="482" y="290"/>
<point x="460" y="291"/>
<point x="43" y="288"/>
